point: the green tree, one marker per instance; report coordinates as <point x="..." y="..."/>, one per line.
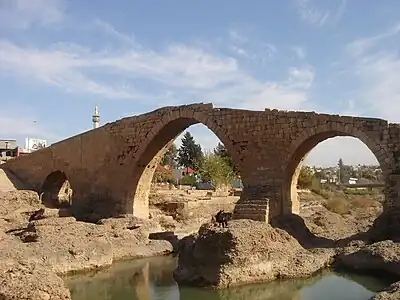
<point x="216" y="170"/>
<point x="342" y="173"/>
<point x="189" y="153"/>
<point x="222" y="152"/>
<point x="169" y="158"/>
<point x="306" y="176"/>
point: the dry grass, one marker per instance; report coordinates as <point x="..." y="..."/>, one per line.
<point x="338" y="205"/>
<point x="363" y="202"/>
<point x="166" y="223"/>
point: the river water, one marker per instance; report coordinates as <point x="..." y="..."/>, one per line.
<point x="151" y="279"/>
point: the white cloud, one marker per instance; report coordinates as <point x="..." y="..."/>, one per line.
<point x="376" y="65"/>
<point x="22" y="14"/>
<point x="301" y="78"/>
<point x="362" y="45"/>
<point x="189" y="73"/>
<point x="110" y="30"/>
<point x="237" y="37"/>
<point x="314" y="15"/>
<point x="299" y="51"/>
<point x="251" y="48"/>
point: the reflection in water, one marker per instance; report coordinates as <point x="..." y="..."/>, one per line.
<point x="151" y="279"/>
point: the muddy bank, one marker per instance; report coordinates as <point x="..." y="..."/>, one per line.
<point x="32" y="254"/>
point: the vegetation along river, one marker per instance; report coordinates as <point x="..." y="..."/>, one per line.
<point x="151" y="279"/>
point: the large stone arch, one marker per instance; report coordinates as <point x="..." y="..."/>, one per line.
<point x="155" y="146"/>
<point x="56" y="190"/>
<point x="310" y="138"/>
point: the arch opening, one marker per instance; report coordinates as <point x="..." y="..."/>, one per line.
<point x="336" y="182"/>
<point x="161" y="169"/>
<point x="56" y="191"/>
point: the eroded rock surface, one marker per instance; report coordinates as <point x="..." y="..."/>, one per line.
<point x="390" y="293"/>
<point x="247" y="251"/>
<point x="56" y="245"/>
<point x="384" y="255"/>
<point x="30" y="282"/>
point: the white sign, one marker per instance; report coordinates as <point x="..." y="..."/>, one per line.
<point x="34" y="144"/>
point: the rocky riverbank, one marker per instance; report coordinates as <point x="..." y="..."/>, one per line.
<point x="34" y="254"/>
<point x="249" y="251"/>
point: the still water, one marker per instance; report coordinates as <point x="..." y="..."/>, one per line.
<point x="151" y="279"/>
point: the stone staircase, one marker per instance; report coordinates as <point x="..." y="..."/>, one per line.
<point x="7" y="182"/>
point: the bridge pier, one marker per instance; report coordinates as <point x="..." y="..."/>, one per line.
<point x="392" y="192"/>
<point x="263" y="202"/>
<point x="257" y="210"/>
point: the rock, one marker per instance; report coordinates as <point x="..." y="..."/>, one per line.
<point x="29" y="282"/>
<point x="386" y="226"/>
<point x="64" y="244"/>
<point x="383" y="255"/>
<point x="327" y="224"/>
<point x="166" y="236"/>
<point x="29" y="237"/>
<point x="390" y="293"/>
<point x="15" y="207"/>
<point x="245" y="252"/>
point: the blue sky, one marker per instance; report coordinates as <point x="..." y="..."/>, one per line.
<point x="58" y="58"/>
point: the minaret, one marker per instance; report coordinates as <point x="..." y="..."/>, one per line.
<point x="96" y="117"/>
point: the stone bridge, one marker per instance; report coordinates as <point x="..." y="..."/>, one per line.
<point x="110" y="168"/>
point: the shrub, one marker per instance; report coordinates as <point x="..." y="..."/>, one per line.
<point x="350" y="191"/>
<point x="188" y="180"/>
<point x="217" y="170"/>
<point x="166" y="223"/>
<point x="306" y="177"/>
<point x="320" y="192"/>
<point x="337" y="205"/>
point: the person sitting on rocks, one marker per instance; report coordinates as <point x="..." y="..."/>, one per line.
<point x="223" y="217"/>
<point x="37" y="215"/>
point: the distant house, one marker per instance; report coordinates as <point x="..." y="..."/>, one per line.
<point x="353" y="180"/>
<point x="178" y="173"/>
<point x="187" y="171"/>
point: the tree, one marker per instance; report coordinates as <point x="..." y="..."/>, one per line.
<point x="341" y="174"/>
<point x="189" y="153"/>
<point x="305" y="179"/>
<point x="216" y="170"/>
<point x="162" y="174"/>
<point x="169" y="158"/>
<point x="222" y="152"/>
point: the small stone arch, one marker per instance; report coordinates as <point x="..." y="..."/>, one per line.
<point x="155" y="146"/>
<point x="310" y="138"/>
<point x="56" y="191"/>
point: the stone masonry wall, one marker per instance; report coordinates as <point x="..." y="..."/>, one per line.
<point x="110" y="168"/>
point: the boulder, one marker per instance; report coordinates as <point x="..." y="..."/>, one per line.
<point x="245" y="252"/>
<point x="29" y="282"/>
<point x="384" y="255"/>
<point x="392" y="292"/>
